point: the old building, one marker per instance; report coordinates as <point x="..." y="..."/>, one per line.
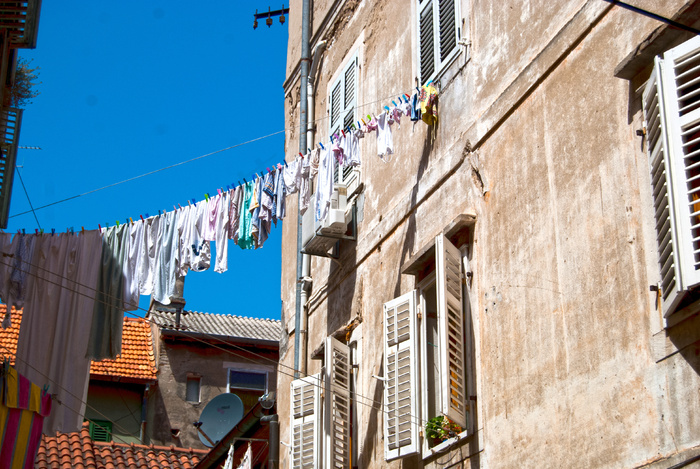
<point x="525" y="266"/>
<point x="204" y="355"/>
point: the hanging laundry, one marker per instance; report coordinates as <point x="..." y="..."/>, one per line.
<point x="245" y="236"/>
<point x="132" y="269"/>
<point x="351" y="147"/>
<point x="324" y="187"/>
<point x="292" y="175"/>
<point x="6" y="264"/>
<point x="428" y="104"/>
<point x="385" y="140"/>
<point x="229" y="459"/>
<point x="222" y="234"/>
<point x="235" y="213"/>
<point x="183" y="240"/>
<point x="309" y="171"/>
<point x="415" y="106"/>
<point x="151" y="246"/>
<point x="199" y="248"/>
<point x="167" y="262"/>
<point x="59" y="318"/>
<point x="337" y="149"/>
<point x="255" y="211"/>
<point x="23" y="407"/>
<point x="106" y="333"/>
<point x="14" y="291"/>
<point x="281" y="197"/>
<point x="213" y="205"/>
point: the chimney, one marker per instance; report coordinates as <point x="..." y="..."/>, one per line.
<point x="177" y="302"/>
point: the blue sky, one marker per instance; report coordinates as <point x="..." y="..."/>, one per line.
<point x="131" y="87"/>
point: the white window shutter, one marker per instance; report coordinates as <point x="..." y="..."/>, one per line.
<point x="667" y="241"/>
<point x="426" y="41"/>
<point x="448" y="261"/>
<point x="336" y="428"/>
<point x="680" y="80"/>
<point x="306" y="422"/>
<point x="401" y="392"/>
<point x="447" y="22"/>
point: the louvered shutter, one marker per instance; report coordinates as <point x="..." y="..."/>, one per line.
<point x="337" y="405"/>
<point x="448" y="262"/>
<point x="448" y="28"/>
<point x="401" y="412"/>
<point x="680" y="80"/>
<point x="426" y="41"/>
<point x="662" y="195"/>
<point x="343" y="103"/>
<point x="336" y="104"/>
<point x="306" y="422"/>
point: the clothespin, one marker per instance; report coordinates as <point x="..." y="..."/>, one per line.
<point x="19" y="232"/>
<point x="175" y="208"/>
<point x="246" y="182"/>
<point x="285" y="163"/>
<point x="301" y="154"/>
<point x="159" y="213"/>
<point x="268" y="169"/>
<point x="53" y="231"/>
<point x="132" y="221"/>
<point x="147" y="215"/>
<point x="343" y="132"/>
<point x="257" y="176"/>
<point x="394" y="103"/>
<point x="406" y="96"/>
<point x="106" y="225"/>
<point x="358" y="125"/>
<point x="206" y="197"/>
<point x="41" y="231"/>
<point x="23" y="232"/>
<point x="71" y="230"/>
<point x="429" y="82"/>
<point x="331" y="139"/>
<point x="308" y="149"/>
<point x="387" y="108"/>
<point x="321" y="145"/>
<point x="220" y="191"/>
<point x="83" y="229"/>
<point x="36" y="230"/>
<point x="369" y="118"/>
<point x="194" y="202"/>
<point x="142" y="217"/>
<point x="117" y="223"/>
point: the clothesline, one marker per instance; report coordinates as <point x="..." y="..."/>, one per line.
<point x="187" y="161"/>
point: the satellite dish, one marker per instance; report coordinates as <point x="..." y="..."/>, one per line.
<point x="219" y="417"/>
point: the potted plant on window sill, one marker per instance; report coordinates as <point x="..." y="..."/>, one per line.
<point x="439" y="429"/>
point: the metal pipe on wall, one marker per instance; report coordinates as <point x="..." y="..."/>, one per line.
<point x="303" y="125"/>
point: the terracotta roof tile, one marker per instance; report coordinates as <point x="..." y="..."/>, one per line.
<point x="87" y="454"/>
<point x="136" y="361"/>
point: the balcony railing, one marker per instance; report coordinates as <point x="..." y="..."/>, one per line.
<point x="20" y="18"/>
<point x="10" y="124"/>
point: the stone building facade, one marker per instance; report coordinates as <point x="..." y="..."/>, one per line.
<point x="519" y="267"/>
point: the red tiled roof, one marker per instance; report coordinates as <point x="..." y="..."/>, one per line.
<point x="136" y="360"/>
<point x="77" y="450"/>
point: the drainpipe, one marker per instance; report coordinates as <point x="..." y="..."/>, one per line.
<point x="273" y="455"/>
<point x="305" y="278"/>
<point x="303" y="124"/>
<point x="144" y="404"/>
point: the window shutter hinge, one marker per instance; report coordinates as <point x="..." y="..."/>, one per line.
<point x="642" y="132"/>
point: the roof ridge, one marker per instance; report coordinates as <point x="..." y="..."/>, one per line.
<point x="151" y="447"/>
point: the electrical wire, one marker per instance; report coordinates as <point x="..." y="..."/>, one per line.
<point x="183" y="162"/>
<point x="28" y="200"/>
<point x="366" y="401"/>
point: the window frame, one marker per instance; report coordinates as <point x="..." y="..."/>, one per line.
<point x="440" y="65"/>
<point x="438" y="387"/>
<point x="350" y="176"/>
<point x="193" y="377"/>
<point x="669" y="180"/>
<point x="230" y="389"/>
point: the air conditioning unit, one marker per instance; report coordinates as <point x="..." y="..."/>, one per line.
<point x="318" y="237"/>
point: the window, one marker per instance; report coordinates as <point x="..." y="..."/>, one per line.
<point x="426" y="341"/>
<point x="321" y="423"/>
<point x="100" y="430"/>
<point x="247" y="380"/>
<point x="671" y="106"/>
<point x="342" y="108"/>
<point x="193" y="391"/>
<point x="438" y="32"/>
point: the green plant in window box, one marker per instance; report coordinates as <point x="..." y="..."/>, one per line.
<point x="440" y="428"/>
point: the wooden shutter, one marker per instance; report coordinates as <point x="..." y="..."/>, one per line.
<point x="680" y="81"/>
<point x="337" y="405"/>
<point x="336" y="103"/>
<point x="448" y="283"/>
<point x="306" y="422"/>
<point x="448" y="28"/>
<point x="662" y="195"/>
<point x="401" y="412"/>
<point x="426" y="41"/>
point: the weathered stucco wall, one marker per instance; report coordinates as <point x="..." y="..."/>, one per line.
<point x="538" y="138"/>
<point x="119" y="403"/>
<point x="179" y="358"/>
